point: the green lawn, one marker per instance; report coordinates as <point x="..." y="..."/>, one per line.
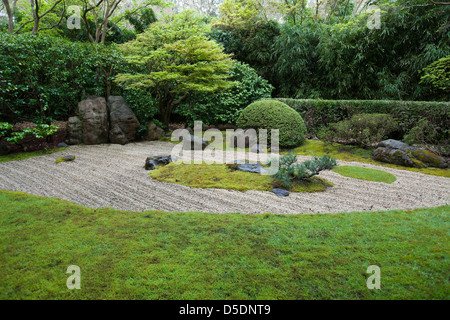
<point x="160" y="255"/>
<point x="365" y="174"/>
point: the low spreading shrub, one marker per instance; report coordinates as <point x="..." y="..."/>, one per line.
<point x="272" y="114"/>
<point x="290" y="171"/>
<point x="362" y="129"/>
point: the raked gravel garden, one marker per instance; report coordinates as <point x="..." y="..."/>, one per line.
<point x="112" y="175"/>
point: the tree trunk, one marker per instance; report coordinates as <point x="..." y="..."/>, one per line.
<point x="35" y="11"/>
<point x="10" y="13"/>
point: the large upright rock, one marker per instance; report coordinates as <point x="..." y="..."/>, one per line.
<point x="91" y="126"/>
<point x="123" y="122"/>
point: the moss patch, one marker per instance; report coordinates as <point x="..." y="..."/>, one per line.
<point x="27" y="155"/>
<point x="220" y="176"/>
<point x="365" y="174"/>
<point x="65" y="159"/>
<point x="353" y="153"/>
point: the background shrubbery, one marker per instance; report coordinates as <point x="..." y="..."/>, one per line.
<point x="361" y="129"/>
<point x="318" y="114"/>
<point x="225" y="106"/>
<point x="42" y="78"/>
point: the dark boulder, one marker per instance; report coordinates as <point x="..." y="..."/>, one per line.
<point x="396" y="156"/>
<point x="152" y="162"/>
<point x="74" y="131"/>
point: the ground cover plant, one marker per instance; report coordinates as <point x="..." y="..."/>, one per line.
<point x="365" y="174"/>
<point x="155" y="255"/>
<point x="221" y="176"/>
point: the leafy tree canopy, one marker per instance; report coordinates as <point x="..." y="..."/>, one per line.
<point x="174" y="57"/>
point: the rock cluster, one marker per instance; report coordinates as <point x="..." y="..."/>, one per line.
<point x="100" y="122"/>
<point x="400" y="153"/>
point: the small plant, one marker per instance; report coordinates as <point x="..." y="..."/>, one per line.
<point x="362" y="129"/>
<point x="290" y="171"/>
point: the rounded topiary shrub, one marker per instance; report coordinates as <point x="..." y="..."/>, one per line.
<point x="272" y="114"/>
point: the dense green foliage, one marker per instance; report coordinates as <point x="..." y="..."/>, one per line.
<point x="45" y="77"/>
<point x="319" y="113"/>
<point x="291" y="172"/>
<point x="272" y="114"/>
<point x="163" y="255"/>
<point x="175" y="59"/>
<point x="41" y="130"/>
<point x="438" y="74"/>
<point x="365" y="129"/>
<point x="225" y="106"/>
<point x="342" y="58"/>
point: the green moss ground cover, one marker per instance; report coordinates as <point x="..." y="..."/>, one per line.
<point x="162" y="255"/>
<point x="222" y="177"/>
<point x="365" y="174"/>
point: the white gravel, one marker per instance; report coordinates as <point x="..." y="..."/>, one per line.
<point x="112" y="175"/>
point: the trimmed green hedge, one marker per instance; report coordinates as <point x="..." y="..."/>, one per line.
<point x="320" y="113"/>
<point x="272" y="114"/>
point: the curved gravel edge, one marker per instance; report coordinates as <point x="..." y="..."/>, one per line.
<point x="112" y="175"/>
